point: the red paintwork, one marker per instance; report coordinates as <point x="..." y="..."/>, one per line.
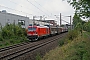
<point x="40" y="31"/>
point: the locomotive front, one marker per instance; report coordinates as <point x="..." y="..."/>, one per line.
<point x="32" y="33"/>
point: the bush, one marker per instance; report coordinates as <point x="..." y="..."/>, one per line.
<point x="38" y="57"/>
<point x="12" y="30"/>
<point x="12" y="41"/>
<point x="61" y="42"/>
<point x="6" y="44"/>
<point x="1" y="39"/>
<point x="87" y="26"/>
<point x="72" y="34"/>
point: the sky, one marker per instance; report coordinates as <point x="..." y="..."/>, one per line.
<point x="48" y="9"/>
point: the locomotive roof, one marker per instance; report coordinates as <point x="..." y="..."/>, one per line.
<point x="40" y="26"/>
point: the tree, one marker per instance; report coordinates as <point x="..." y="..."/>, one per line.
<point x="87" y="26"/>
<point x="11" y="30"/>
<point x="82" y="7"/>
<point x="76" y="20"/>
<point x="78" y="23"/>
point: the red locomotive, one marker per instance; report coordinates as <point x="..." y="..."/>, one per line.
<point x="35" y="32"/>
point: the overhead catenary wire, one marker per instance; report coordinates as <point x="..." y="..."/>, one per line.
<point x="15" y="10"/>
<point x="36" y="7"/>
<point x="65" y="21"/>
<point x="23" y="6"/>
<point x="43" y="7"/>
<point x="29" y="8"/>
<point x="26" y="8"/>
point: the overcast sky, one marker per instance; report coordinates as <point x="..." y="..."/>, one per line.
<point x="45" y="8"/>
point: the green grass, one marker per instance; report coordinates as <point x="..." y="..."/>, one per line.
<point x="38" y="57"/>
<point x="77" y="49"/>
<point x="12" y="41"/>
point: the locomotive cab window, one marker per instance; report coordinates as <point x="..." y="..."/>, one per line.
<point x="32" y="29"/>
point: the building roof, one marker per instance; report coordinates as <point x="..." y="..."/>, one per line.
<point x="12" y="14"/>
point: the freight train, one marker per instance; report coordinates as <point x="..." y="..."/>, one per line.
<point x="35" y="32"/>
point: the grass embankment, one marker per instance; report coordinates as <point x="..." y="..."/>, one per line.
<point x="12" y="41"/>
<point x="77" y="49"/>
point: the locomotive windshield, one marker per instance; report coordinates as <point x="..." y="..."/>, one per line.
<point x="32" y="29"/>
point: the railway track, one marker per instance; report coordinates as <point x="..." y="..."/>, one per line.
<point x="15" y="51"/>
<point x="13" y="46"/>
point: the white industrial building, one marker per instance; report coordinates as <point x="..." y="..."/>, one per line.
<point x="12" y="18"/>
<point x="17" y="19"/>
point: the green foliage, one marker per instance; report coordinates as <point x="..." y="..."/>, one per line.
<point x="61" y="42"/>
<point x="78" y="23"/>
<point x="78" y="27"/>
<point x="78" y="49"/>
<point x="11" y="41"/>
<point x="69" y="38"/>
<point x="6" y="43"/>
<point x="1" y="39"/>
<point x="87" y="26"/>
<point x="72" y="34"/>
<point x="38" y="57"/>
<point x="76" y="19"/>
<point x="12" y="34"/>
<point x="12" y="30"/>
<point x="82" y="7"/>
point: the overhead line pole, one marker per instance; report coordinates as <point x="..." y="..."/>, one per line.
<point x="60" y="19"/>
<point x="70" y="23"/>
<point x="33" y="21"/>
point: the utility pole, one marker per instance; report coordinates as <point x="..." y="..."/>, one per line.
<point x="33" y="20"/>
<point x="40" y="17"/>
<point x="60" y="19"/>
<point x="70" y="23"/>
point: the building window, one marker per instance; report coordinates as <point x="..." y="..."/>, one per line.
<point x="8" y="21"/>
<point x="21" y="22"/>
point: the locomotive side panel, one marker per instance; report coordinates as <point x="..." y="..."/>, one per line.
<point x="42" y="31"/>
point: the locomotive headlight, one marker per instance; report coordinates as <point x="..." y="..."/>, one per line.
<point x="35" y="32"/>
